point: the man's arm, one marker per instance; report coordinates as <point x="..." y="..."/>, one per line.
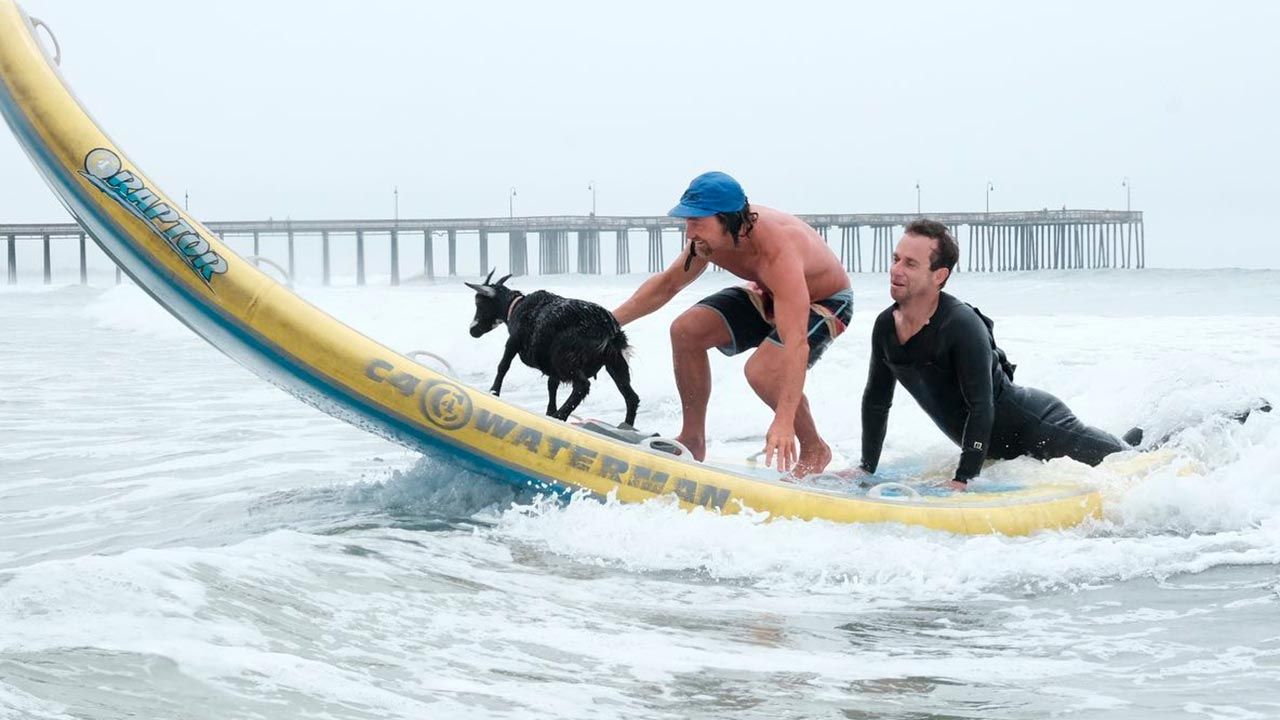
<point x="877" y="398"/>
<point x="783" y="274"/>
<point x="660" y="288"/>
<point x="971" y="354"/>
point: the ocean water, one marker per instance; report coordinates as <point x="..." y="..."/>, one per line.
<point x="180" y="540"/>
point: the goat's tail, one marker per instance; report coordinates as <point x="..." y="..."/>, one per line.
<point x="617" y="343"/>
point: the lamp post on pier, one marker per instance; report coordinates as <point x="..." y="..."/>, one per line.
<point x="990" y="187"/>
<point x="511" y="203"/>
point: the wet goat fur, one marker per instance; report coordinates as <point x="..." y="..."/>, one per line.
<point x="568" y="340"/>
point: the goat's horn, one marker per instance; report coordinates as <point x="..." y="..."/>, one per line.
<point x="489" y="276"/>
<point x="503" y="280"/>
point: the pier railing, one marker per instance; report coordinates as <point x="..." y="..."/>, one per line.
<point x="990" y="242"/>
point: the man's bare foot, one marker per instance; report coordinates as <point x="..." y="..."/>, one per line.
<point x="813" y="460"/>
<point x="697" y="446"/>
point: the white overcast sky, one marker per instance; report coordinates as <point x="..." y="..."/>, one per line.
<point x="318" y="109"/>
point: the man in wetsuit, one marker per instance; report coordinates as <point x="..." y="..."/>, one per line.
<point x="943" y="352"/>
<point x="796" y="302"/>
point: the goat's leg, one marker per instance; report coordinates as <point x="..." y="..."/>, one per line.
<point x="507" y="354"/>
<point x="618" y="369"/>
<point x="581" y="386"/>
<point x="553" y="387"/>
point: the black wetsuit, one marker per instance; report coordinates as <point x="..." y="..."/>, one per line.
<point x="952" y="368"/>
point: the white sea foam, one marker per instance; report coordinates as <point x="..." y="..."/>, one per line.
<point x="172" y="524"/>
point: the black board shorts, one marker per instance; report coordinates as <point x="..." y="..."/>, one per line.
<point x="748" y="314"/>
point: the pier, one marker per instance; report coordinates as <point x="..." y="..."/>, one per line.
<point x="989" y="242"/>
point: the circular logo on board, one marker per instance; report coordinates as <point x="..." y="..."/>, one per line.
<point x="445" y="405"/>
<point x="102" y="163"/>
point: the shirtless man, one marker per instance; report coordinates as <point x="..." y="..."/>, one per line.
<point x="796" y="302"/>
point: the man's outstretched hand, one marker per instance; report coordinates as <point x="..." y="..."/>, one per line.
<point x="780" y="441"/>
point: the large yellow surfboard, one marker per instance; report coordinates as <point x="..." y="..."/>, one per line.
<point x="289" y="342"/>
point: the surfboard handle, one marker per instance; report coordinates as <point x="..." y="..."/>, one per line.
<point x="260" y="261"/>
<point x="57" y="48"/>
<point x="878" y="490"/>
<point x="414" y="355"/>
<point x="684" y="453"/>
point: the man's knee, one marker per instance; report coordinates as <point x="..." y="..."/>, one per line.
<point x="754" y="371"/>
<point x="697" y="328"/>
<point x="761" y="369"/>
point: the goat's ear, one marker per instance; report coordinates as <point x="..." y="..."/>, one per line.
<point x="503" y="280"/>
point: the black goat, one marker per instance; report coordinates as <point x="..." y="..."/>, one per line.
<point x="568" y="340"/>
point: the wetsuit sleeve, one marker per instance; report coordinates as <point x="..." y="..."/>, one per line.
<point x="970" y="346"/>
<point x="876" y="399"/>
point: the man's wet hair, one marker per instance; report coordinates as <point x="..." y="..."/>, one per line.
<point x="945" y="252"/>
<point x="739" y="224"/>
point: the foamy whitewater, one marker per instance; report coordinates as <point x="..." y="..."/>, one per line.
<point x="179" y="539"/>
